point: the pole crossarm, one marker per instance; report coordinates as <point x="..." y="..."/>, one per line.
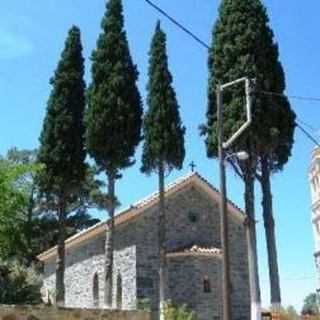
<point x="238" y="133"/>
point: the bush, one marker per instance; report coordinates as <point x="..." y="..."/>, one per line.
<point x="174" y="311"/>
<point x="144" y="304"/>
<point x="19" y="285"/>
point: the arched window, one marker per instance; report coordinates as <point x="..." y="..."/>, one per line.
<point x="119" y="292"/>
<point x="95" y="289"/>
<point x="206" y="285"/>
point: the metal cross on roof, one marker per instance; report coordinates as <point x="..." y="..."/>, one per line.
<point x="192" y="166"/>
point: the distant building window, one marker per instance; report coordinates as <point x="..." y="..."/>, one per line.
<point x="193" y="216"/>
<point x="206" y="285"/>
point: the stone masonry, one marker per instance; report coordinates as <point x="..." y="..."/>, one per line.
<point x="194" y="256"/>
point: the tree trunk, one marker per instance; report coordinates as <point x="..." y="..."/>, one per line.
<point x="252" y="243"/>
<point x="270" y="235"/>
<point x="162" y="243"/>
<point x="60" y="262"/>
<point x="29" y="227"/>
<point x="109" y="246"/>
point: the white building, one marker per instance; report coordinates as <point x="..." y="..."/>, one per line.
<point x="314" y="177"/>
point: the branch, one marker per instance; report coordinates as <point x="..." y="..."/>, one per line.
<point x="258" y="177"/>
<point x="236" y="169"/>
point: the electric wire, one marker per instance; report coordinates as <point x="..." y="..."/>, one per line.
<point x="205" y="45"/>
<point x="178" y="24"/>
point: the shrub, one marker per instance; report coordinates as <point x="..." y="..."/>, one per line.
<point x="175" y="311"/>
<point x="144" y="304"/>
<point x="19" y="285"/>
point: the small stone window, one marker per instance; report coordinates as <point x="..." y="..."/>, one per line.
<point x="193" y="216"/>
<point x="96" y="291"/>
<point x="206" y="285"/>
<point x="119" y="292"/>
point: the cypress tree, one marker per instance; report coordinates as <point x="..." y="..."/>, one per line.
<point x="62" y="141"/>
<point x="243" y="45"/>
<point x="114" y="114"/>
<point x="163" y="148"/>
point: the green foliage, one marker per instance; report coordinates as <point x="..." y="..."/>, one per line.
<point x="163" y="130"/>
<point x="288" y="313"/>
<point x="62" y="138"/>
<point x="114" y="114"/>
<point x="173" y="311"/>
<point x="292" y="313"/>
<point x="29" y="225"/>
<point x="45" y="229"/>
<point x="243" y="45"/>
<point x="144" y="304"/>
<point x="311" y="305"/>
<point x="14" y="199"/>
<point x="19" y="285"/>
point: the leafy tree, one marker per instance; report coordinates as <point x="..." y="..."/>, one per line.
<point x="13" y="202"/>
<point x="114" y="114"/>
<point x="243" y="45"/>
<point x="45" y="230"/>
<point x="28" y="158"/>
<point x="163" y="148"/>
<point x="19" y="285"/>
<point x="292" y="313"/>
<point x="33" y="227"/>
<point x="62" y="142"/>
<point x="311" y="305"/>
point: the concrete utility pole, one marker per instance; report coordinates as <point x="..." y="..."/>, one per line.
<point x="222" y="146"/>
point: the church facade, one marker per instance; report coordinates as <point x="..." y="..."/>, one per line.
<point x="194" y="262"/>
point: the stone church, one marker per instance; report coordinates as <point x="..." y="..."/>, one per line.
<point x="193" y="255"/>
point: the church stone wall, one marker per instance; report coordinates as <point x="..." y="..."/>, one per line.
<point x="82" y="263"/>
<point x="87" y="260"/>
<point x="192" y="218"/>
<point x="186" y="284"/>
<point x="124" y="267"/>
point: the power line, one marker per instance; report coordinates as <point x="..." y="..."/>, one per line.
<point x="307" y="134"/>
<point x="178" y="24"/>
<point x="271" y="93"/>
<point x="308" y="125"/>
<point x="205" y="45"/>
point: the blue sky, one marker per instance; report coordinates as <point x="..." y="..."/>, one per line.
<point x="32" y="34"/>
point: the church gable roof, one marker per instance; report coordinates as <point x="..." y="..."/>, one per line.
<point x="142" y="205"/>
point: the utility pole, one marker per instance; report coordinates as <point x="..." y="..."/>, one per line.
<point x="223" y="214"/>
<point x="222" y="147"/>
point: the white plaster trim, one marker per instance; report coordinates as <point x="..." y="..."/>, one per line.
<point x="255" y="311"/>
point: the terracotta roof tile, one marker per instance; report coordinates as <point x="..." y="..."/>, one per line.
<point x="195" y="249"/>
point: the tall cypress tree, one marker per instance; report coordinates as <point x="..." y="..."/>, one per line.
<point x="114" y="115"/>
<point x="243" y="45"/>
<point x="62" y="141"/>
<point x="163" y="148"/>
<point x="273" y="155"/>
